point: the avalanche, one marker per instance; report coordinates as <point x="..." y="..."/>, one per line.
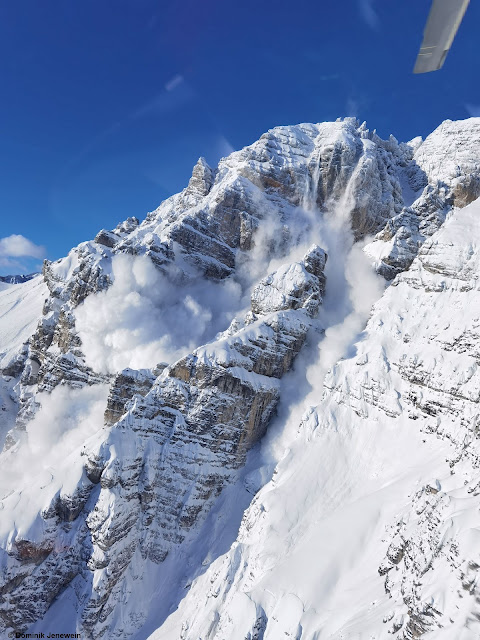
<point x="146" y="502"/>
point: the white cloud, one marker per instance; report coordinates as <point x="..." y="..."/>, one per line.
<point x="369" y="14"/>
<point x="16" y="246"/>
<point x="175" y="95"/>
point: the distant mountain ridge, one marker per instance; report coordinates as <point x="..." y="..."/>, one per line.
<point x="17" y="279"/>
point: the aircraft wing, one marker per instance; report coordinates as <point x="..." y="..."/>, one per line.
<point x="443" y="21"/>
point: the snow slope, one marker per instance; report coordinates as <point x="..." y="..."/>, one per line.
<point x="20" y="310"/>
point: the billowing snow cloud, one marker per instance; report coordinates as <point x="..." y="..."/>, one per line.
<point x="353" y="286"/>
<point x="144" y="319"/>
<point x="50" y="455"/>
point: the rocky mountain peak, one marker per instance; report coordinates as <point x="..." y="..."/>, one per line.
<point x="202" y="179"/>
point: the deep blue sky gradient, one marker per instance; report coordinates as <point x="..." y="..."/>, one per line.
<point x="106" y="106"/>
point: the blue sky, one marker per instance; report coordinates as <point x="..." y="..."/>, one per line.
<point x="107" y="105"/>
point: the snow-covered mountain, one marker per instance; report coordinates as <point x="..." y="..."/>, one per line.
<point x="17" y="279"/>
<point x="254" y="414"/>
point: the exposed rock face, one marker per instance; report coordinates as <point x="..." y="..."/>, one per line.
<point x="178" y="433"/>
<point x="442" y="393"/>
<point x="126" y="384"/>
<point x="213" y="221"/>
<point x="201" y="181"/>
<point x="305" y="165"/>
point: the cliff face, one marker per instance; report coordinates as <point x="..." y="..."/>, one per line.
<point x="110" y="471"/>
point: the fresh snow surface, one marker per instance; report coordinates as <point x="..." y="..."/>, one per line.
<point x="20" y="310"/>
<point x="309" y="547"/>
